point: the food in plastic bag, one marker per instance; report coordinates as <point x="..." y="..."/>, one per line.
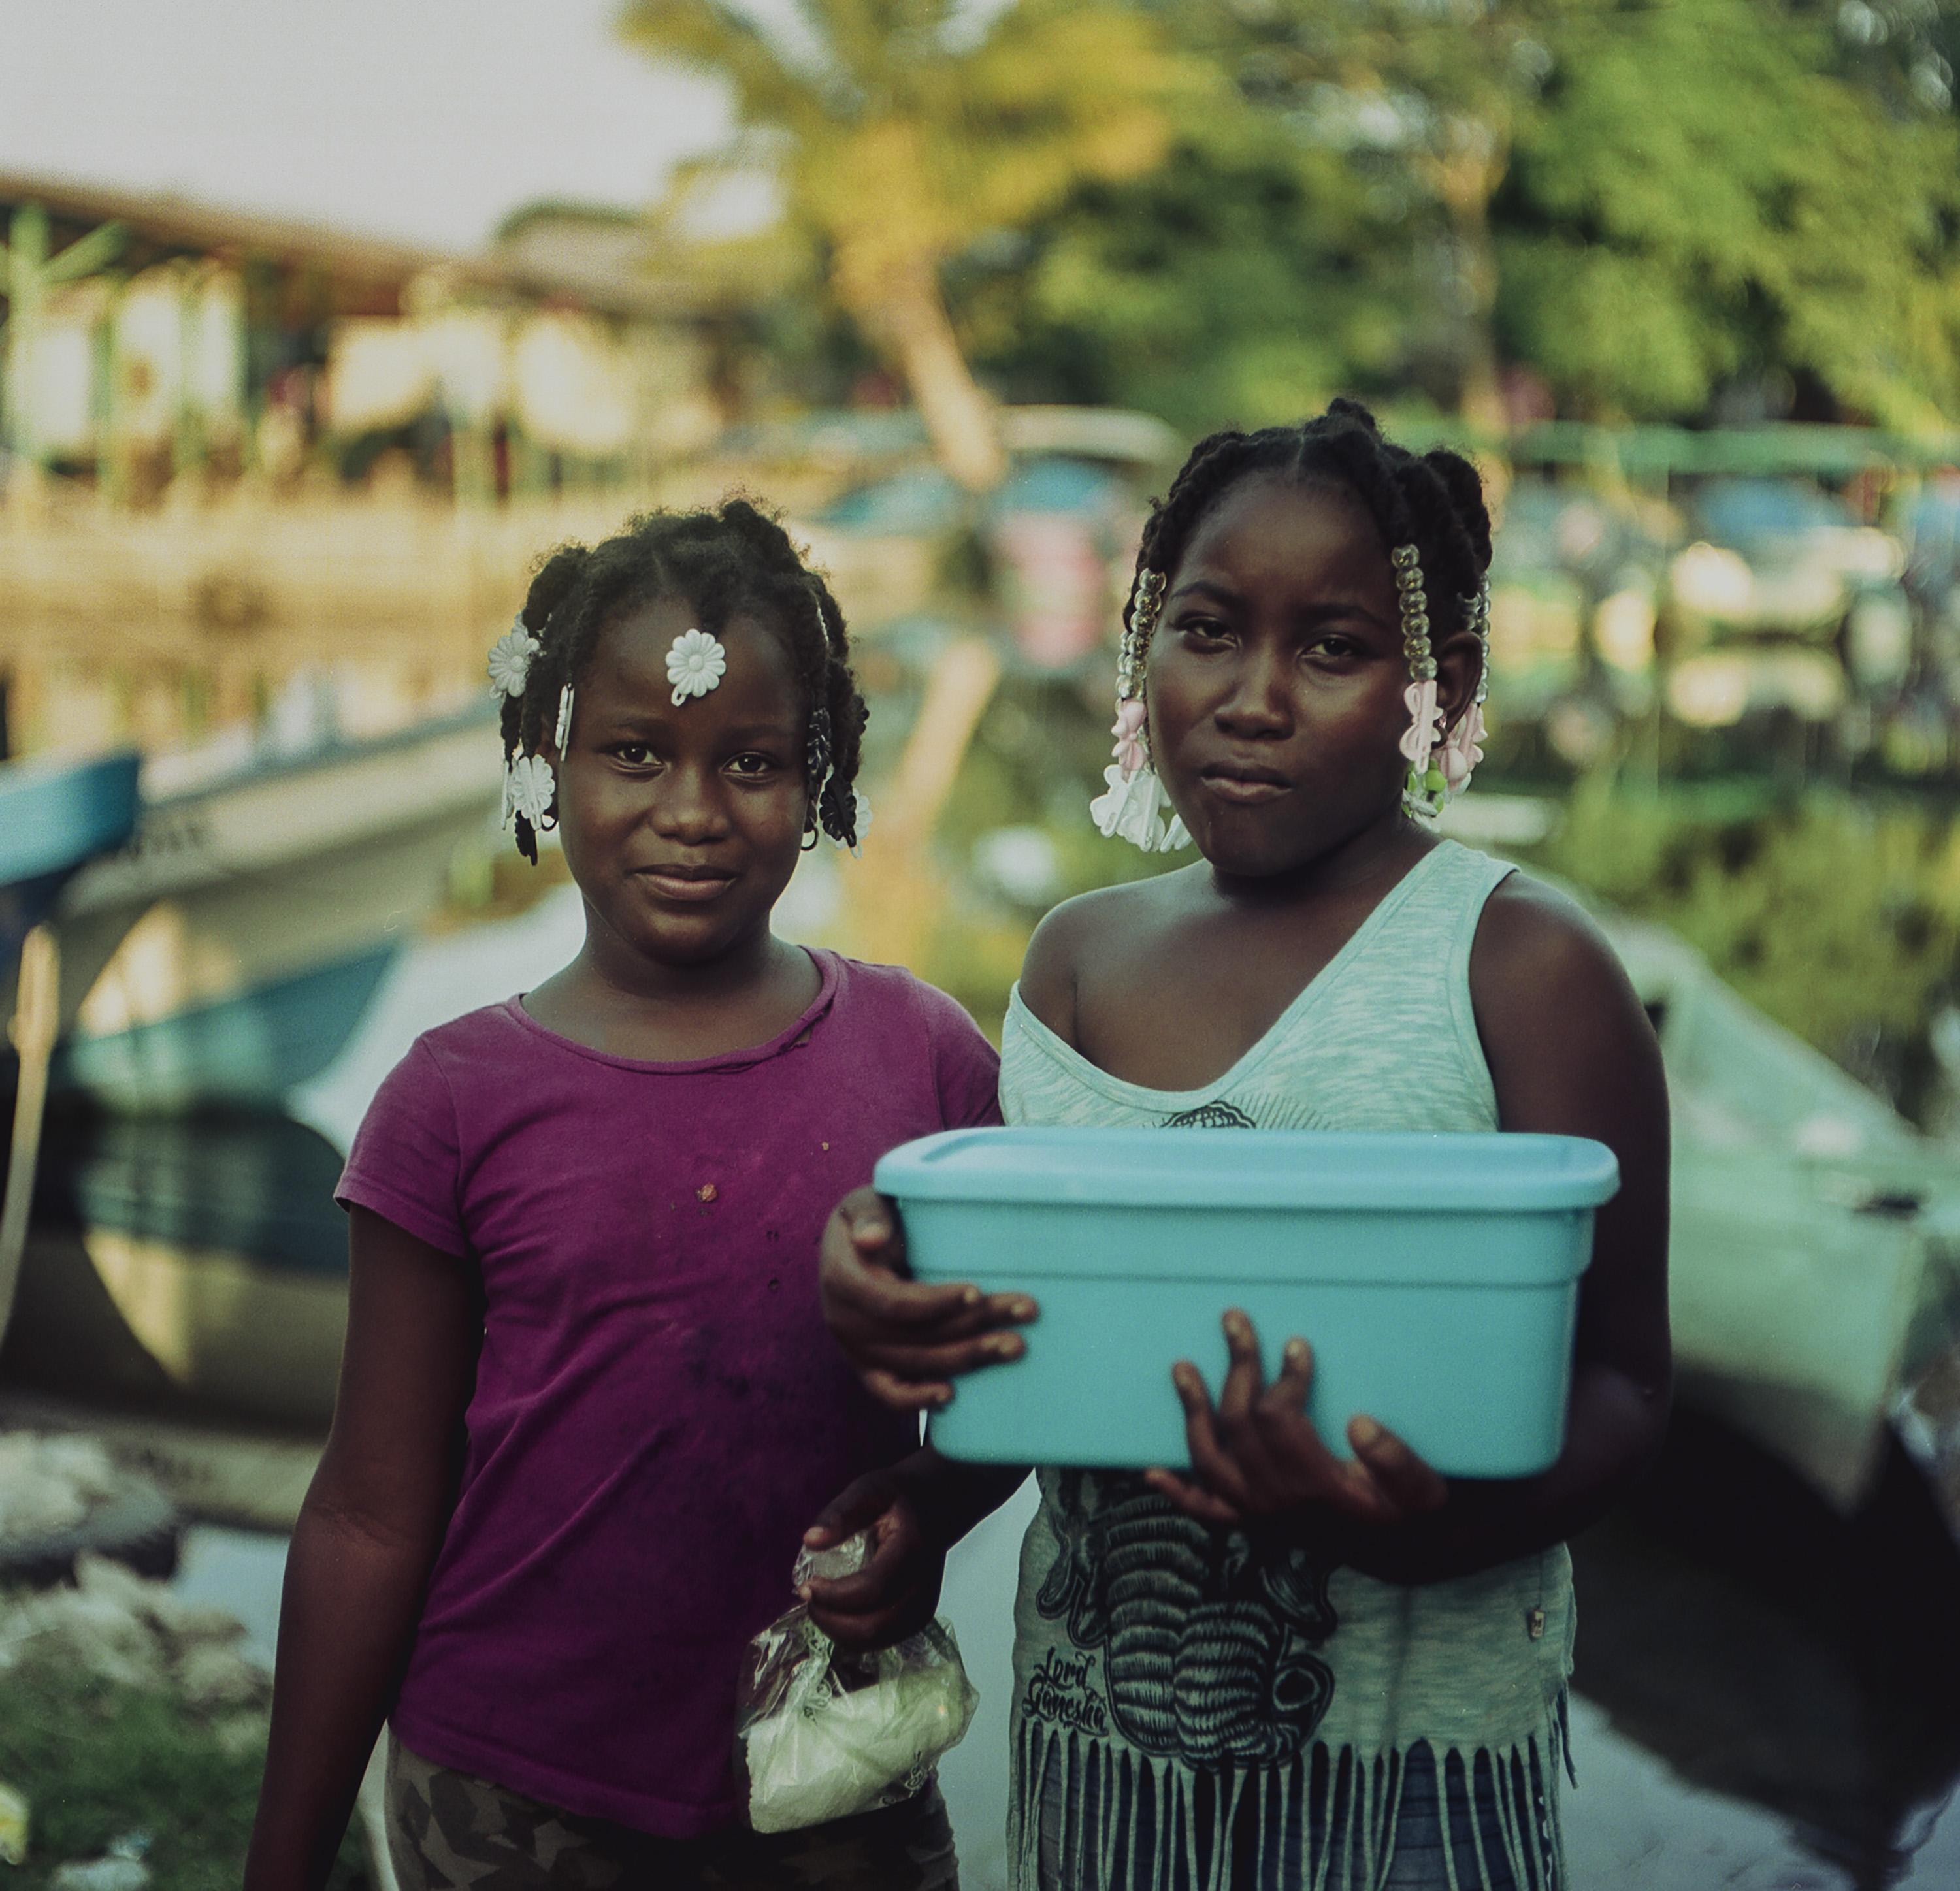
<point x="825" y="1732"/>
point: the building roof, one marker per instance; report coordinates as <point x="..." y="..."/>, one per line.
<point x="162" y="224"/>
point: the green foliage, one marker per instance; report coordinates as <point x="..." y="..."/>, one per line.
<point x="1246" y="281"/>
<point x="1641" y="201"/>
<point x="100" y="1762"/>
<point x="900" y="136"/>
<point x="1839" y="919"/>
<point x="1227" y="212"/>
<point x="1705" y="191"/>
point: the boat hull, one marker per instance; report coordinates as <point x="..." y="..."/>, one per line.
<point x="1812" y="1258"/>
<point x="187" y="1261"/>
<point x="54" y="818"/>
<point x="228" y="954"/>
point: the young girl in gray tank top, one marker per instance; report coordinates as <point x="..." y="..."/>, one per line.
<point x="1287" y="1667"/>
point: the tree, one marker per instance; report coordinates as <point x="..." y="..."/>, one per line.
<point x="1730" y="187"/>
<point x="1423" y="100"/>
<point x="901" y="134"/>
<point x="1244" y="281"/>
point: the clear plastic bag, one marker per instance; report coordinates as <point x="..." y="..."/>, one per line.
<point x="824" y="1734"/>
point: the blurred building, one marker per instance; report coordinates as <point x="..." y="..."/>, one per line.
<point x="247" y="461"/>
<point x="184" y="338"/>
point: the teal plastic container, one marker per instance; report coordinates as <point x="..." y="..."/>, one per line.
<point x="1436" y="1278"/>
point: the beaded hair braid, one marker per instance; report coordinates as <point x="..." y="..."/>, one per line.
<point x="734" y="559"/>
<point x="1433" y="502"/>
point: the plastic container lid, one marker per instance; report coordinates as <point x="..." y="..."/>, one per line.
<point x="1234" y="1169"/>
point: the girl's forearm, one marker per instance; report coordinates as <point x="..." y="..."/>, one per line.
<point x="949" y="1498"/>
<point x="347" y="1614"/>
<point x="1612" y="1436"/>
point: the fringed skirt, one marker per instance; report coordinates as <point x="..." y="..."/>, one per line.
<point x="1088" y="1817"/>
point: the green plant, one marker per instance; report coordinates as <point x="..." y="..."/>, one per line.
<point x="99" y="1761"/>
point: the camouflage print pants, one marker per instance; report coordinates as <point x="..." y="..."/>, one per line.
<point x="447" y="1830"/>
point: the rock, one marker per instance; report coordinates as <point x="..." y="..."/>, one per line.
<point x="101" y="1874"/>
<point x="182" y="1623"/>
<point x="48" y="1485"/>
<point x="243" y="1734"/>
<point x="123" y="1627"/>
<point x="62" y="1497"/>
<point x="209" y="1676"/>
<point x="99" y="1634"/>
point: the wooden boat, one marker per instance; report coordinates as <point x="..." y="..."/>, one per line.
<point x="186" y="1259"/>
<point x="228" y="952"/>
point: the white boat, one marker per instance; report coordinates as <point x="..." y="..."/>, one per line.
<point x="201" y="1259"/>
<point x="1815" y="1263"/>
<point x="229" y="950"/>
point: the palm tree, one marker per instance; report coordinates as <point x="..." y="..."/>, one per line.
<point x="900" y="133"/>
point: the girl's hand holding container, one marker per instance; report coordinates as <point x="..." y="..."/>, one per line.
<point x="907" y="1341"/>
<point x="1255" y="1454"/>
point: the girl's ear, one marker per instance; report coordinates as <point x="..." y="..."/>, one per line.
<point x="1459" y="663"/>
<point x="1459" y="659"/>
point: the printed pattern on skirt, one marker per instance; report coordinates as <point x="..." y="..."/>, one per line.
<point x="447" y="1831"/>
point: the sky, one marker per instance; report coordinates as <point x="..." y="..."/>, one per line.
<point x="427" y="119"/>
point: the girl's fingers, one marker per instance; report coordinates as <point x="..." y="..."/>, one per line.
<point x="1244" y="1377"/>
<point x="1243" y="1430"/>
<point x="905" y="1395"/>
<point x="884" y="1299"/>
<point x="1288" y="1392"/>
<point x="865" y="1504"/>
<point x="1407" y="1481"/>
<point x="868" y="1217"/>
<point x="940" y="1363"/>
<point x="1194" y="1499"/>
<point x="952" y="1310"/>
<point x="1209" y="1458"/>
<point x="1292" y="1442"/>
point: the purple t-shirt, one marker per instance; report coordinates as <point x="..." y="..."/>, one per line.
<point x="658" y="1412"/>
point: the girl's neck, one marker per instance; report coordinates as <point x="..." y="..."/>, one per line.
<point x="1386" y="848"/>
<point x="615" y="1000"/>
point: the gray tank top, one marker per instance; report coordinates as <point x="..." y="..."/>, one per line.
<point x="1150" y="1651"/>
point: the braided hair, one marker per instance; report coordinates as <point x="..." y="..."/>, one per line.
<point x="1433" y="501"/>
<point x="734" y="559"/>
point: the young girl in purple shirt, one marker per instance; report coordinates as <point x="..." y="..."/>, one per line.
<point x="588" y="1405"/>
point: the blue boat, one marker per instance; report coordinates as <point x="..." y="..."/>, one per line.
<point x="54" y="818"/>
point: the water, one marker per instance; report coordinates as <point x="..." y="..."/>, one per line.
<point x="1768" y="1697"/>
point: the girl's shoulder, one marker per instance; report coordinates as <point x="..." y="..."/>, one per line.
<point x="1538" y="953"/>
<point x="1528" y="926"/>
<point x="452" y="1059"/>
<point x="492" y="1032"/>
<point x="900" y="1017"/>
<point x="1083" y="923"/>
<point x="890" y="994"/>
<point x="1083" y="928"/>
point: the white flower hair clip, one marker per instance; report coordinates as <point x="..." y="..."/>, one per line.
<point x="530" y="788"/>
<point x="511" y="658"/>
<point x="695" y="665"/>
